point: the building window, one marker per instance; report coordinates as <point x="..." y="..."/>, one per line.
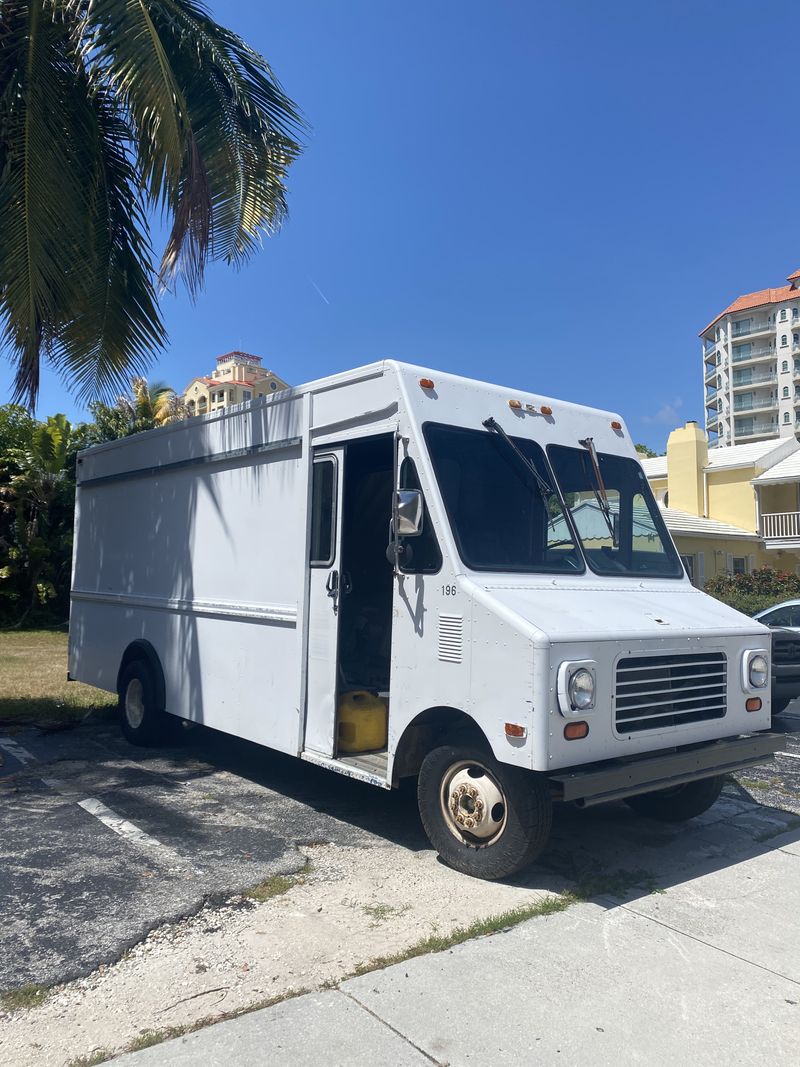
<point x="688" y="566"/>
<point x="785" y="365"/>
<point x="786" y="416"/>
<point x="246" y="394"/>
<point x="273" y="385"/>
<point x="740" y="564"/>
<point x="795" y="338"/>
<point x="784" y="340"/>
<point x="786" y="391"/>
<point x="230" y="396"/>
<point x="783" y="314"/>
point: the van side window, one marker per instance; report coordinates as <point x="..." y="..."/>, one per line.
<point x="426" y="556"/>
<point x="323" y="512"/>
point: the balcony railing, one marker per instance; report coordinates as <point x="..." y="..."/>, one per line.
<point x="758" y="429"/>
<point x="754" y="353"/>
<point x="781" y="524"/>
<point x="755" y="379"/>
<point x="754" y="327"/>
<point x="711" y="397"/>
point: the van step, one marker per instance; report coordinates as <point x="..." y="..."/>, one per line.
<point x="366" y="766"/>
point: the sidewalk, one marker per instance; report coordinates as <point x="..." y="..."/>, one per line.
<point x="708" y="970"/>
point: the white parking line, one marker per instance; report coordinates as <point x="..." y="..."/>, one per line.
<point x="791" y="755"/>
<point x="129" y="830"/>
<point x="17" y="751"/>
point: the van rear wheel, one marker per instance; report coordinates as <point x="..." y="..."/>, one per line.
<point x="484" y="818"/>
<point x="143" y="721"/>
<point x="679" y="803"/>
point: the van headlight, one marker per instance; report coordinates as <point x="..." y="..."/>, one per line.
<point x="576" y="687"/>
<point x="756" y="670"/>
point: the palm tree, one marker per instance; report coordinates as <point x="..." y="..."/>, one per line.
<point x="111" y="110"/>
<point x="149" y="405"/>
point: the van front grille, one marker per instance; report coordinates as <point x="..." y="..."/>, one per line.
<point x="654" y="692"/>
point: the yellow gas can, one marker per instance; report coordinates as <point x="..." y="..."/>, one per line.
<point x="362" y="722"/>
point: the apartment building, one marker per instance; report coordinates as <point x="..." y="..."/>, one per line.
<point x="729" y="508"/>
<point x="751" y="367"/>
<point x="237" y="377"/>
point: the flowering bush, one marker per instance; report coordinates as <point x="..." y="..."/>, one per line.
<point x="750" y="593"/>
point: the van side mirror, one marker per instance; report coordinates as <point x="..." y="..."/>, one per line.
<point x="409" y="512"/>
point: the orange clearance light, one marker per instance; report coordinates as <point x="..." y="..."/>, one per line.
<point x="616" y="425"/>
<point x="545" y="410"/>
<point x="513" y="729"/>
<point x="574" y="731"/>
<point x="515" y="404"/>
<point x="426" y="383"/>
<point x="753" y="704"/>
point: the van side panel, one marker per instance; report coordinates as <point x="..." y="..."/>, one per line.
<point x="205" y="559"/>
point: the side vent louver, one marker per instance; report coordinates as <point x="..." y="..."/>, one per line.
<point x="451" y="636"/>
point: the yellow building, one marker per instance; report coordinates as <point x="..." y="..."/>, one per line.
<point x="238" y="377"/>
<point x="729" y="509"/>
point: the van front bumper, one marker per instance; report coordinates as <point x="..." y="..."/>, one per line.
<point x="615" y="779"/>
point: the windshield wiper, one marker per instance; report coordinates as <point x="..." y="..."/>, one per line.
<point x="545" y="490"/>
<point x="599" y="489"/>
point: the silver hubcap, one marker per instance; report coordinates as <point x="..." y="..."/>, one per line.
<point x="134" y="704"/>
<point x="473" y="804"/>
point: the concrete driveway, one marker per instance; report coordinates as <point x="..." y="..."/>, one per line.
<point x="101" y="842"/>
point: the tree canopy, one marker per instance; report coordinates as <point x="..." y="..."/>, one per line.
<point x="111" y="113"/>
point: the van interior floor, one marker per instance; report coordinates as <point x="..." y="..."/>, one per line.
<point x="371" y="762"/>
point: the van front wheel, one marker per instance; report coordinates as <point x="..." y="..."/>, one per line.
<point x="679" y="803"/>
<point x="484" y="818"/>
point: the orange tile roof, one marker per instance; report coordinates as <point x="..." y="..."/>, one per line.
<point x="762" y="298"/>
<point x="793" y="277"/>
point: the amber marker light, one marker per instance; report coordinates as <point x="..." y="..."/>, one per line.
<point x="574" y="731"/>
<point x="426" y="383"/>
<point x="753" y="704"/>
<point x="515" y="404"/>
<point x="545" y="410"/>
<point x="513" y="729"/>
<point x="616" y="425"/>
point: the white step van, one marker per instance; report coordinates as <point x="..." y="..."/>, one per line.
<point x="489" y="563"/>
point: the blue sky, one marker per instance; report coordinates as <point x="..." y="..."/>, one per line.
<point x="556" y="196"/>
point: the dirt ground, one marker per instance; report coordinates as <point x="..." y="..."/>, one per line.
<point x="353" y="905"/>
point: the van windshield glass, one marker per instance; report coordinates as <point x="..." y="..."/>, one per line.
<point x="640" y="544"/>
<point x="502" y="517"/>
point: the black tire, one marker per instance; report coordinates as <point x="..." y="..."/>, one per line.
<point x="522" y="829"/>
<point x="143" y="721"/>
<point x="779" y="706"/>
<point x="680" y="803"/>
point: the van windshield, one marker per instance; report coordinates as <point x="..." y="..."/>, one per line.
<point x="638" y="544"/>
<point x="503" y="517"/>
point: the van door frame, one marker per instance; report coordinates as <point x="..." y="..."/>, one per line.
<point x="324" y="592"/>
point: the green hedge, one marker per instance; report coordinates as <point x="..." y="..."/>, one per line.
<point x="762" y="588"/>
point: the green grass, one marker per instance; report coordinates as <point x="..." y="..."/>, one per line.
<point x="24" y="996"/>
<point x="479" y="928"/>
<point x="100" y="1056"/>
<point x="33" y="681"/>
<point x="273" y="886"/>
<point x="381" y="912"/>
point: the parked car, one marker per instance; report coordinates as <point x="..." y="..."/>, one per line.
<point x="785" y="667"/>
<point x="784" y="621"/>
<point x="785" y="615"/>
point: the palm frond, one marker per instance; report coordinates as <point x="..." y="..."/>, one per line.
<point x="116" y="329"/>
<point x="43" y="186"/>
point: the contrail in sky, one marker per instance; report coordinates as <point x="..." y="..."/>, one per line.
<point x="318" y="290"/>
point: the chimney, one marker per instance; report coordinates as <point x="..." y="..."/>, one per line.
<point x="687" y="456"/>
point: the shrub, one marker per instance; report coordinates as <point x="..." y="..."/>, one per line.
<point x="762" y="588"/>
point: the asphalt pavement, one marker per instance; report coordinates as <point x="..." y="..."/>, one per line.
<point x="101" y="842"/>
